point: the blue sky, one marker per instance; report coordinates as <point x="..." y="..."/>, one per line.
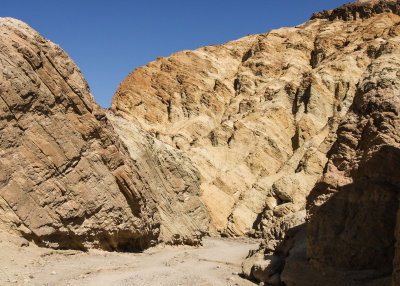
<point x="108" y="39"/>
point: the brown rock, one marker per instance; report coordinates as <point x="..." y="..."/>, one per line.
<point x="361" y="9"/>
<point x="67" y="180"/>
<point x="257" y="115"/>
<point x="263" y="268"/>
<point x="252" y="113"/>
<point x="360" y="186"/>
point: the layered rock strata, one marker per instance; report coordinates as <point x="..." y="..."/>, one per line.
<point x="67" y="180"/>
<point x="256" y="115"/>
<point x="259" y="115"/>
<point x="351" y="233"/>
<point x="173" y="181"/>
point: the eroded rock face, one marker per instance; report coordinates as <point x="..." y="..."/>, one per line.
<point x="351" y="235"/>
<point x="361" y="9"/>
<point x="361" y="185"/>
<point x="257" y="116"/>
<point x="173" y="181"/>
<point x="67" y="180"/>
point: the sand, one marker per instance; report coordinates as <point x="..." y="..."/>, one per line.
<point x="217" y="262"/>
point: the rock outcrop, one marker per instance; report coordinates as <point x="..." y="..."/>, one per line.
<point x="351" y="235"/>
<point x="67" y="180"/>
<point x="361" y="185"/>
<point x="362" y="9"/>
<point x="256" y="116"/>
<point x="292" y="136"/>
<point x="259" y="116"/>
<point x="173" y="181"/>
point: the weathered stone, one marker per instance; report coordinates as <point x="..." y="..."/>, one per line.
<point x="256" y="115"/>
<point x="67" y="180"/>
<point x="263" y="268"/>
<point x="361" y="9"/>
<point x="173" y="181"/>
<point x="361" y="185"/>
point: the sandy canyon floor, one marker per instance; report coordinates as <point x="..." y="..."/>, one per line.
<point x="217" y="262"/>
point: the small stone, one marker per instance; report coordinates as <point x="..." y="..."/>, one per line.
<point x="53" y="273"/>
<point x="235" y="273"/>
<point x="24" y="244"/>
<point x="31" y="276"/>
<point x="261" y="284"/>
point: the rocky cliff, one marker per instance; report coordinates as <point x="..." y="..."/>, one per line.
<point x="256" y="115"/>
<point x="67" y="180"/>
<point x="351" y="235"/>
<point x="291" y="135"/>
<point x="361" y="183"/>
<point x="259" y="118"/>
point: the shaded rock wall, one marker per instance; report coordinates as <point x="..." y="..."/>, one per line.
<point x="353" y="210"/>
<point x="351" y="232"/>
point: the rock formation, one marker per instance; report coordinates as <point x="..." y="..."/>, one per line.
<point x="173" y="181"/>
<point x="259" y="117"/>
<point x="361" y="9"/>
<point x="351" y="236"/>
<point x="361" y="183"/>
<point x="291" y="135"/>
<point x="67" y="180"/>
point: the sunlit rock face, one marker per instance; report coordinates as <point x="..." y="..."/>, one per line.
<point x="259" y="118"/>
<point x="257" y="115"/>
<point x="67" y="180"/>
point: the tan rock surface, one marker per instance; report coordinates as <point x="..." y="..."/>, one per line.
<point x="173" y="182"/>
<point x="257" y="115"/>
<point x="243" y="129"/>
<point x="67" y="180"/>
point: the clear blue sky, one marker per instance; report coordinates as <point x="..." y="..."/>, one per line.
<point x="108" y="39"/>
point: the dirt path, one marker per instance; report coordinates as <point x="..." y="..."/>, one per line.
<point x="217" y="262"/>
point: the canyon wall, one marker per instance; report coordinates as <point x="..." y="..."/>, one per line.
<point x="260" y="116"/>
<point x="67" y="180"/>
<point x="290" y="136"/>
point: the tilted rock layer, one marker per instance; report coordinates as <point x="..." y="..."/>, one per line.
<point x="67" y="180"/>
<point x="352" y="232"/>
<point x="258" y="116"/>
<point x="238" y="133"/>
